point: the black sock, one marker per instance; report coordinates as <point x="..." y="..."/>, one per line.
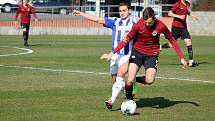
<point x="141" y="79"/>
<point x="190" y="52"/>
<point x="128" y="91"/>
<point x="25" y="36"/>
<point x="165" y="45"/>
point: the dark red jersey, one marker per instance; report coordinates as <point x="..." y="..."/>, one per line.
<point x="146" y="40"/>
<point x="180" y="9"/>
<point x="26" y="12"/>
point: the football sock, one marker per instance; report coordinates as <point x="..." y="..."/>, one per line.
<point x="128" y="91"/>
<point x="141" y="79"/>
<point x="25" y="36"/>
<point x="165" y="45"/>
<point x="117" y="87"/>
<point x="190" y="52"/>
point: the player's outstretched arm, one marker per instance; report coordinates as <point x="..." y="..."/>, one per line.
<point x="175" y="45"/>
<point x="90" y="17"/>
<point x="107" y="56"/>
<point x="194" y="16"/>
<point x="184" y="63"/>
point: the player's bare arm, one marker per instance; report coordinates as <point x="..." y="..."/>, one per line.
<point x="175" y="15"/>
<point x="184" y="63"/>
<point x="179" y="52"/>
<point x="124" y="37"/>
<point x="90" y="17"/>
<point x="107" y="56"/>
<point x="118" y="48"/>
<point x="194" y="16"/>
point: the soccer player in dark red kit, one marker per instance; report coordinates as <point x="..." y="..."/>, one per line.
<point x="145" y="50"/>
<point x="179" y="27"/>
<point x="25" y="10"/>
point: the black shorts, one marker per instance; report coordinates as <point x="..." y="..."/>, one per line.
<point x="140" y="59"/>
<point x="182" y="32"/>
<point x="26" y="26"/>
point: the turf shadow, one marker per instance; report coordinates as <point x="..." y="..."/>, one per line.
<point x="160" y="102"/>
<point x="197" y="64"/>
<point x="40" y="45"/>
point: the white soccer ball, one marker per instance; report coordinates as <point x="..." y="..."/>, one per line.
<point x="128" y="107"/>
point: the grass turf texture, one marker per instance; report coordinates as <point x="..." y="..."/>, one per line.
<point x="48" y="95"/>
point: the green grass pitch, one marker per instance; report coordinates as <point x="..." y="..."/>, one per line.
<point x="64" y="80"/>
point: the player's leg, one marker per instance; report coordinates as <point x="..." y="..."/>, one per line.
<point x="175" y="33"/>
<point x="116" y="88"/>
<point x="123" y="69"/>
<point x="113" y="78"/>
<point x="150" y="65"/>
<point x="135" y="62"/>
<point x="189" y="50"/>
<point x="113" y="70"/>
<point x="25" y="33"/>
<point x="132" y="71"/>
<point x="141" y="79"/>
<point x="187" y="39"/>
<point x="23" y="27"/>
<point x="119" y="84"/>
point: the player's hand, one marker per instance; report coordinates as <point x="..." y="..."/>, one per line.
<point x="16" y="25"/>
<point x="182" y="17"/>
<point x="107" y="56"/>
<point x="124" y="38"/>
<point x="184" y="63"/>
<point x="195" y="18"/>
<point x="76" y="13"/>
<point x="15" y="22"/>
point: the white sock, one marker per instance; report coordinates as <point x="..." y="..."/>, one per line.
<point x="117" y="87"/>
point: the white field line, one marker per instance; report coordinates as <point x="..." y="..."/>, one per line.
<point x="99" y="73"/>
<point x="28" y="51"/>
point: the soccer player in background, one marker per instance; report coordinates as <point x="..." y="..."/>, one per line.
<point x="119" y="61"/>
<point x="146" y="48"/>
<point x="25" y="10"/>
<point x="179" y="27"/>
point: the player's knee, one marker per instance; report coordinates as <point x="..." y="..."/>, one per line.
<point x="188" y="42"/>
<point x="24" y="30"/>
<point x="122" y="73"/>
<point x="150" y="80"/>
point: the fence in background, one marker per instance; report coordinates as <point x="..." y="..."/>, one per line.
<point x="72" y="25"/>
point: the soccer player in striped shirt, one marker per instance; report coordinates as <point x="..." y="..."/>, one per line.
<point x="119" y="62"/>
<point x="179" y="27"/>
<point x="145" y="50"/>
<point x="25" y="10"/>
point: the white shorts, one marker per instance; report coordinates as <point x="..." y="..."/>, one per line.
<point x="117" y="61"/>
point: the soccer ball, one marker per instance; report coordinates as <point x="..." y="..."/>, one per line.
<point x="128" y="107"/>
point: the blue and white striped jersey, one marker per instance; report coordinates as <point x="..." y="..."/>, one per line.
<point x="119" y="28"/>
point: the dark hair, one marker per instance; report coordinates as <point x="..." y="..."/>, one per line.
<point x="125" y="4"/>
<point x="148" y="12"/>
